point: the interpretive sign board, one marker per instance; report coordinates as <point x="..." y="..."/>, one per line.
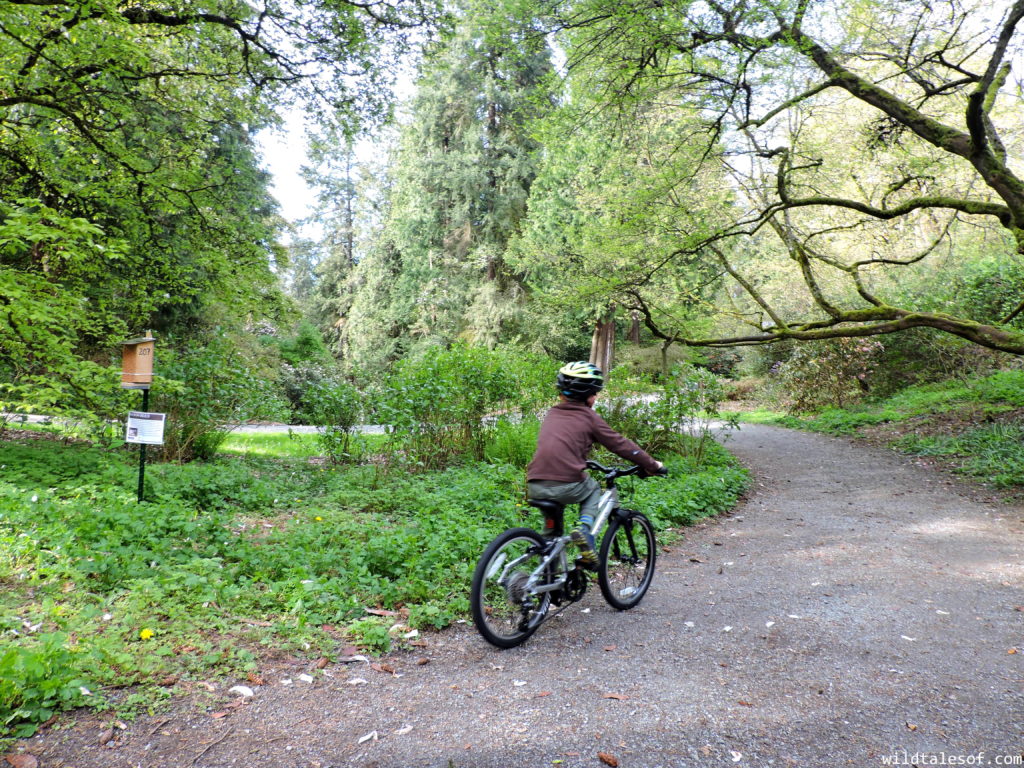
<point x="145" y="428"/>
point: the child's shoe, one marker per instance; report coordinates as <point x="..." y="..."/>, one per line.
<point x="584" y="540"/>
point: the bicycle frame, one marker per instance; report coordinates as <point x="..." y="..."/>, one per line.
<point x="608" y="502"/>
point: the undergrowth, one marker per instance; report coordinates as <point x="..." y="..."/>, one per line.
<point x="229" y="559"/>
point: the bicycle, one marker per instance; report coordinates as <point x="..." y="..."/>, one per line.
<point x="522" y="574"/>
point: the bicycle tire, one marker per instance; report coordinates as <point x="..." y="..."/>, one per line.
<point x="501" y="617"/>
<point x="626" y="560"/>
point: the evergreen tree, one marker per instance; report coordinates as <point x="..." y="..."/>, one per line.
<point x="462" y="177"/>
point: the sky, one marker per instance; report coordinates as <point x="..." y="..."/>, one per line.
<point x="283" y="154"/>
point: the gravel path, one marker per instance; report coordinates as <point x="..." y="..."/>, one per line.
<point x="857" y="607"/>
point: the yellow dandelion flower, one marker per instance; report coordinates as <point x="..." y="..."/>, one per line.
<point x="146" y="634"/>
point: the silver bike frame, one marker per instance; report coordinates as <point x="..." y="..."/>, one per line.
<point x="609" y="500"/>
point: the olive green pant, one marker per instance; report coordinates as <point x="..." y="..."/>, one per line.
<point x="586" y="493"/>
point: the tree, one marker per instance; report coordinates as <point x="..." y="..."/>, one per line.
<point x="615" y="194"/>
<point x="929" y="87"/>
<point x="136" y="120"/>
<point x="461" y="180"/>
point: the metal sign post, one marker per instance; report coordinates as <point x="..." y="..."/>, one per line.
<point x="137" y="373"/>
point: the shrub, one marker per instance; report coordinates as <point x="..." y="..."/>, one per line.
<point x="688" y="401"/>
<point x="831" y="372"/>
<point x="336" y="406"/>
<point x="442" y="406"/>
<point x="205" y="391"/>
<point x="513" y="442"/>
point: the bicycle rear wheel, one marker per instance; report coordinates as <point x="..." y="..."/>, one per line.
<point x="502" y="611"/>
<point x="626" y="565"/>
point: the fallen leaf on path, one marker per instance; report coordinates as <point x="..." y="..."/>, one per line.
<point x="743" y="703"/>
<point x="371" y="736"/>
<point x="610" y="647"/>
<point x="607" y="759"/>
<point x="22" y="760"/>
<point x="1012" y="651"/>
<point x="403" y="730"/>
<point x="381" y="612"/>
<point x="696" y="560"/>
<point x="542" y="694"/>
<point x="383" y="668"/>
<point x="321" y="662"/>
<point x="616" y="696"/>
<point x="218" y="715"/>
<point x="421" y="661"/>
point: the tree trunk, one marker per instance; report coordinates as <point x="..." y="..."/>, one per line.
<point x="602" y="343"/>
<point x="634" y="326"/>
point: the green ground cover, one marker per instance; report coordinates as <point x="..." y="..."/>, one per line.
<point x="265" y="549"/>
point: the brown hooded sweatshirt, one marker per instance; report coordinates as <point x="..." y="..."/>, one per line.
<point x="569" y="431"/>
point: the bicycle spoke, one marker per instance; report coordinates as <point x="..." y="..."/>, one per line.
<point x="627" y="561"/>
<point x="504" y="612"/>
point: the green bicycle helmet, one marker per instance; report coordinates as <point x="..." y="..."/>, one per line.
<point x="579" y="380"/>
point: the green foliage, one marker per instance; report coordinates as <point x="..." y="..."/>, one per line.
<point x="370" y="633"/>
<point x="822" y="373"/>
<point x="513" y="442"/>
<point x="687" y="401"/>
<point x="37" y="680"/>
<point x="695" y="489"/>
<point x="306" y="346"/>
<point x="205" y="390"/>
<point x="993" y="453"/>
<point x="461" y="177"/>
<point x="442" y="406"/>
<point x="212" y="554"/>
<point x="281" y="445"/>
<point x="336" y="406"/>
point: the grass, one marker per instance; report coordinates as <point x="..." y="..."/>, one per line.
<point x="993" y="453"/>
<point x="959" y="420"/>
<point x="259" y="552"/>
<point x="279" y="445"/>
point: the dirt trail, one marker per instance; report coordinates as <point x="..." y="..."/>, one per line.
<point x="856" y="607"/>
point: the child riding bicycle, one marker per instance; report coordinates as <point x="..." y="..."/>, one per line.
<point x="567" y="434"/>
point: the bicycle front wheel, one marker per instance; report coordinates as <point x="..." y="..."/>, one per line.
<point x="503" y="612"/>
<point x="627" y="556"/>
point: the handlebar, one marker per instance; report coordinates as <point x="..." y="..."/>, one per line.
<point x="613" y="473"/>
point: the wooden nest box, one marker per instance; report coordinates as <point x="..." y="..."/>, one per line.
<point x="137" y="362"/>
